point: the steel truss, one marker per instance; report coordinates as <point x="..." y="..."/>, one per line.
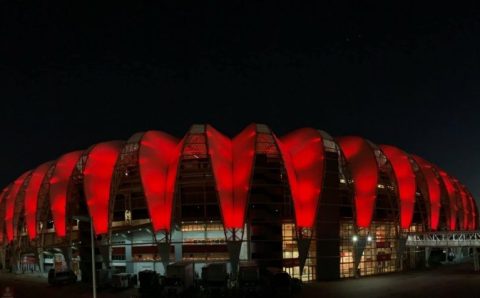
<point x="444" y="239"/>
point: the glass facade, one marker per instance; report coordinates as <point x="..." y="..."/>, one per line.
<point x="379" y="254"/>
<point x="203" y="242"/>
<point x="290" y="255"/>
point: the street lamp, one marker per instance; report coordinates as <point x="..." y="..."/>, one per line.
<point x="92" y="244"/>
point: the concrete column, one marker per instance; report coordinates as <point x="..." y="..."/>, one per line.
<point x="12" y="260"/>
<point x="358" y="248"/>
<point x="40" y="259"/>
<point x="427" y="256"/>
<point x="67" y="254"/>
<point x="105" y="252"/>
<point x="401" y="245"/>
<point x="476" y="265"/>
<point x="3" y="258"/>
<point x="234" y="254"/>
<point x="164" y="252"/>
<point x="303" y="246"/>
<point x="412" y="257"/>
<point x="128" y="256"/>
<point x="458" y="254"/>
<point x="177" y="238"/>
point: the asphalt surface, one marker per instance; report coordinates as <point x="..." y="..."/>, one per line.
<point x="27" y="285"/>
<point x="452" y="281"/>
<point x="447" y="281"/>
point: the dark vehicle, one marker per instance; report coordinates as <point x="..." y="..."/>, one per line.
<point x="248" y="280"/>
<point x="215" y="279"/>
<point x="104" y="278"/>
<point x="437" y="256"/>
<point x="296" y="285"/>
<point x="123" y="280"/>
<point x="281" y="284"/>
<point x="179" y="280"/>
<point x="61" y="277"/>
<point x="149" y="283"/>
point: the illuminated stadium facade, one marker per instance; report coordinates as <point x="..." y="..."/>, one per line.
<point x="304" y="203"/>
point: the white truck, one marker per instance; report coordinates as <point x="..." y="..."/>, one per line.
<point x="179" y="279"/>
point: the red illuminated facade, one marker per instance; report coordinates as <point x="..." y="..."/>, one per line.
<point x="59" y="189"/>
<point x="433" y="192"/>
<point x="363" y="168"/>
<point x="452" y="198"/>
<point x="303" y="157"/>
<point x="11" y="198"/>
<point x="232" y="163"/>
<point x="31" y="197"/>
<point x="97" y="175"/>
<point x="406" y="184"/>
<point x="159" y="155"/>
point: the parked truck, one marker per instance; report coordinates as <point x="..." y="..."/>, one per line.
<point x="248" y="279"/>
<point x="150" y="284"/>
<point x="215" y="279"/>
<point x="123" y="280"/>
<point x="61" y="277"/>
<point x="179" y="279"/>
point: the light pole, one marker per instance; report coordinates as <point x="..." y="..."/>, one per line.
<point x="92" y="244"/>
<point x="354" y="253"/>
<point x="94" y="277"/>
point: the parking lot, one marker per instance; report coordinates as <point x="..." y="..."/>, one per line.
<point x="447" y="281"/>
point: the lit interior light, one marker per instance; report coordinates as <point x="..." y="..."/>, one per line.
<point x="369" y="238"/>
<point x="355" y="238"/>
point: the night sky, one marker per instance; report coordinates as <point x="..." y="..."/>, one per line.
<point x="73" y="74"/>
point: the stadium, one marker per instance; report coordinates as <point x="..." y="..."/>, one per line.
<point x="317" y="207"/>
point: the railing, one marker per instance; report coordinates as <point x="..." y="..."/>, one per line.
<point x="444" y="239"/>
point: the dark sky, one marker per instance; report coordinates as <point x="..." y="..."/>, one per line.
<point x="74" y="73"/>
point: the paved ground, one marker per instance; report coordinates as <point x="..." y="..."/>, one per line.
<point x="447" y="281"/>
<point x="27" y="286"/>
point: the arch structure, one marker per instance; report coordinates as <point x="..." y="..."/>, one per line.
<point x="157" y="181"/>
